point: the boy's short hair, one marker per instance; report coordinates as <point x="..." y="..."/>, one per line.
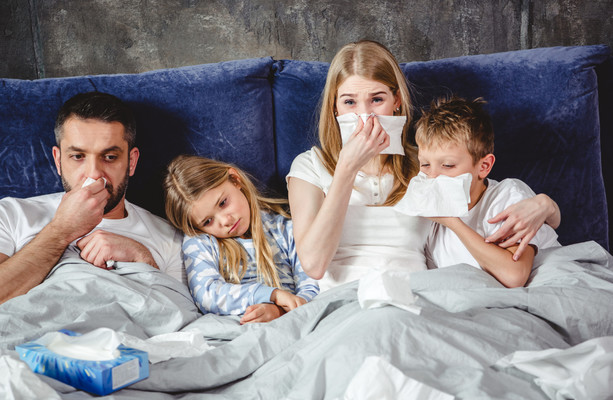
<point x="457" y="120"/>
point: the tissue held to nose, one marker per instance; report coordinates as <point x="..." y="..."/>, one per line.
<point x="89" y="181"/>
<point x="393" y="126"/>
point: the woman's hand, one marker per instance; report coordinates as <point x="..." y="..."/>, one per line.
<point x="522" y="221"/>
<point x="263" y="312"/>
<point x="367" y="142"/>
<point x="286" y="300"/>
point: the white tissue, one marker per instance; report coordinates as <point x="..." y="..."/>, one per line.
<point x="89" y="181"/>
<point x="581" y="372"/>
<point x="393" y="126"/>
<point x="98" y="345"/>
<point x="169" y="345"/>
<point x="443" y="196"/>
<point x="377" y="379"/>
<point x="392" y="287"/>
<point x="17" y="381"/>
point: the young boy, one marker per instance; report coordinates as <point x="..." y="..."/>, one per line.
<point x="456" y="137"/>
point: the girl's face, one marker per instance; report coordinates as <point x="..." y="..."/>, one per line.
<point x="364" y="96"/>
<point x="222" y="212"/>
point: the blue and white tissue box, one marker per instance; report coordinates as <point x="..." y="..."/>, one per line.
<point x="97" y="377"/>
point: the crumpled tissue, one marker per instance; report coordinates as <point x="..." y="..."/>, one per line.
<point x="168" y="345"/>
<point x="581" y="372"/>
<point x="377" y="379"/>
<point x="379" y="288"/>
<point x="89" y="181"/>
<point x="443" y="196"/>
<point x="17" y="381"/>
<point x="98" y="345"/>
<point x="393" y="126"/>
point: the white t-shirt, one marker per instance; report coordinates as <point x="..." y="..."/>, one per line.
<point x="445" y="248"/>
<point x="372" y="237"/>
<point x="22" y="219"/>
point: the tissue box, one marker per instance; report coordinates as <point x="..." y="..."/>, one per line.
<point x="97" y="377"/>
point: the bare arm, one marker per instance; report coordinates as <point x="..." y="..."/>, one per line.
<point x="318" y="219"/>
<point x="522" y="221"/>
<point x="495" y="260"/>
<point x="78" y="213"/>
<point x="102" y="246"/>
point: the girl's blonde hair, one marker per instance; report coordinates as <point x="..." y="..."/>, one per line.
<point x="369" y="60"/>
<point x="187" y="178"/>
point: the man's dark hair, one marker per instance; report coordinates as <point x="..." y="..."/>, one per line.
<point x="99" y="106"/>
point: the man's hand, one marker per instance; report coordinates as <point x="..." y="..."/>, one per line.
<point x="263" y="312"/>
<point x="102" y="246"/>
<point x="80" y="210"/>
<point x="286" y="300"/>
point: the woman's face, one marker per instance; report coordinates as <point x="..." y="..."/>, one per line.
<point x="364" y="96"/>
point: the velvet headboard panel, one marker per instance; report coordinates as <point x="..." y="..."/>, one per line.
<point x="545" y="109"/>
<point x="219" y="110"/>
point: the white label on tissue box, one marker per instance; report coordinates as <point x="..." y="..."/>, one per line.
<point x="393" y="126"/>
<point x="443" y="196"/>
<point x="125" y="373"/>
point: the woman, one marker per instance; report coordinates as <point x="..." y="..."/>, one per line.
<point x="338" y="237"/>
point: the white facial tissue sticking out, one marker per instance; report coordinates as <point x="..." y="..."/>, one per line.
<point x="443" y="196"/>
<point x="98" y="345"/>
<point x="393" y="126"/>
<point x="89" y="181"/>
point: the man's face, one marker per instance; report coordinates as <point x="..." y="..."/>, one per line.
<point x="95" y="149"/>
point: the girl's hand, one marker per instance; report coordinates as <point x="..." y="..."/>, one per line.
<point x="522" y="221"/>
<point x="368" y="140"/>
<point x="263" y="312"/>
<point x="286" y="300"/>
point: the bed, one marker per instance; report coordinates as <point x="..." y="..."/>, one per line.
<point x="551" y="112"/>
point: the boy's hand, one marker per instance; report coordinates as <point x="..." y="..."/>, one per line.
<point x="286" y="300"/>
<point x="263" y="312"/>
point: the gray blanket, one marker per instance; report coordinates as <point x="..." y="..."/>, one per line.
<point x="468" y="322"/>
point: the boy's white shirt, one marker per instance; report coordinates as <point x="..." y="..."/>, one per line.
<point x="444" y="248"/>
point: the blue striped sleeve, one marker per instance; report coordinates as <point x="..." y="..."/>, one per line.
<point x="210" y="291"/>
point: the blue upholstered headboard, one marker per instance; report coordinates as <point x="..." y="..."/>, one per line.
<point x="545" y="109"/>
<point x="551" y="109"/>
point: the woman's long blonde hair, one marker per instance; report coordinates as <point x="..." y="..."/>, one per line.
<point x="187" y="178"/>
<point x="369" y="60"/>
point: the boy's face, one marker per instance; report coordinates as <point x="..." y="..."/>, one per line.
<point x="453" y="159"/>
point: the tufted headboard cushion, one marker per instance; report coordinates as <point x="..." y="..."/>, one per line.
<point x="545" y="109"/>
<point x="219" y="110"/>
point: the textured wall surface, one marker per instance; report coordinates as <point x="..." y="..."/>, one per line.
<point x="52" y="38"/>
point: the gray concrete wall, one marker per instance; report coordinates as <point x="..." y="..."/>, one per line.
<point x="52" y="38"/>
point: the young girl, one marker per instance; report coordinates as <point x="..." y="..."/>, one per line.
<point x="239" y="250"/>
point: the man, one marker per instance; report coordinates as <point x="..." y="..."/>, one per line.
<point x="95" y="142"/>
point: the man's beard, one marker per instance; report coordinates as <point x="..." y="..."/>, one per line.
<point x="116" y="195"/>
